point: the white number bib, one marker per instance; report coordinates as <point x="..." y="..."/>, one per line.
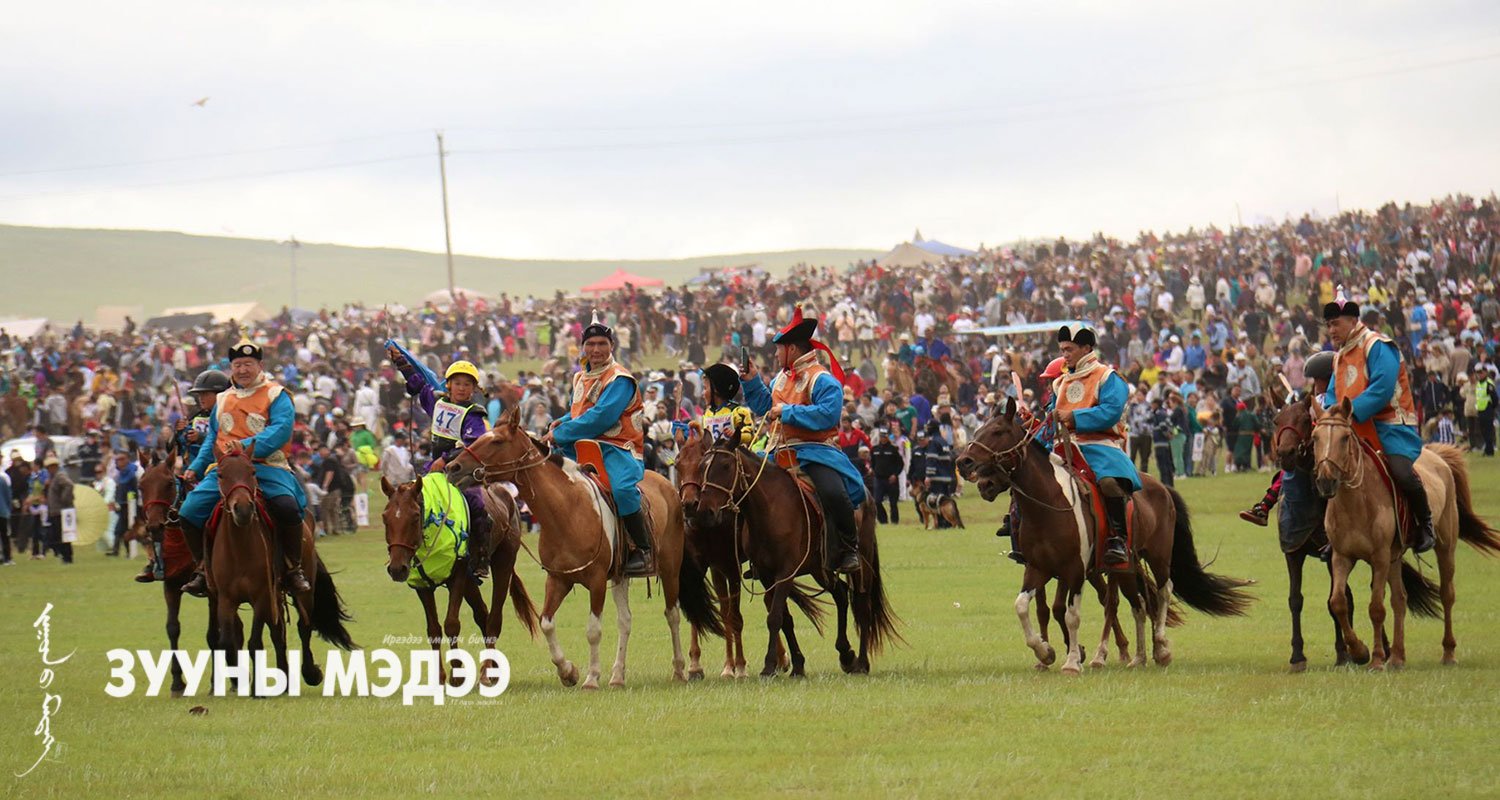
<point x="200" y="425"/>
<point x="448" y="420"/>
<point x="720" y="427"/>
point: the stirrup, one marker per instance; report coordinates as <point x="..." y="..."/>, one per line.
<point x="290" y="581"/>
<point x="197" y="585"/>
<point x="640" y="564"/>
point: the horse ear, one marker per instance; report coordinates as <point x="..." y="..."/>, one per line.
<point x="385" y="486"/>
<point x="171" y="459"/>
<point x="1009" y="407"/>
<point x="1345" y="407"/>
<point x="512" y="417"/>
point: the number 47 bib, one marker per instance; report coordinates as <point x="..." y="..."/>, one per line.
<point x="448" y="420"/>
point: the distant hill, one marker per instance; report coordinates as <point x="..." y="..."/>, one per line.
<point x="67" y="273"/>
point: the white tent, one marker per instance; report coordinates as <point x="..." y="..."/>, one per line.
<point x="223" y="312"/>
<point x="908" y="255"/>
<point x="442" y="299"/>
<point x="24" y="328"/>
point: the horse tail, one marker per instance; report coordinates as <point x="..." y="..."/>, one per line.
<point x="1209" y="593"/>
<point x="520" y="601"/>
<point x="695" y="597"/>
<point x="806" y="599"/>
<point x="1471" y="528"/>
<point x="328" y="612"/>
<point x="880" y="624"/>
<point x="1422" y="596"/>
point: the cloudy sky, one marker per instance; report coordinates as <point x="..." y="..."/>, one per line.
<point x="665" y="129"/>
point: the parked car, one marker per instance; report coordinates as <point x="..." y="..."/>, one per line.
<point x="67" y="451"/>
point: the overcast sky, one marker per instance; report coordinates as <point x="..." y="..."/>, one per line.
<point x="667" y="129"/>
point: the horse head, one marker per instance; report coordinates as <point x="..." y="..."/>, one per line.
<point x="996" y="452"/>
<point x="690" y="454"/>
<point x="403" y="526"/>
<point x="1292" y="442"/>
<point x="721" y="475"/>
<point x="499" y="454"/>
<point x="237" y="486"/>
<point x="1335" y="448"/>
<point x="158" y="485"/>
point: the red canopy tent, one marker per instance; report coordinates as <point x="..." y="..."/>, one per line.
<point x="618" y="280"/>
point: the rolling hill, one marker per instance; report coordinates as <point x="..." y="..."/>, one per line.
<point x="66" y="273"/>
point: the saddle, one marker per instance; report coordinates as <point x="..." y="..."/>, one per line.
<point x="177" y="559"/>
<point x="1073" y="458"/>
<point x="591" y="464"/>
<point x="1406" y="521"/>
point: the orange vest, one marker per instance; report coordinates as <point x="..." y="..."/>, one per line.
<point x="628" y="433"/>
<point x="245" y="416"/>
<point x="1075" y="392"/>
<point x="1351" y="369"/>
<point x="799" y="393"/>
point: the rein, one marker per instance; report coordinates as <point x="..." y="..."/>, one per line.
<point x="997" y="461"/>
<point x="1354" y="451"/>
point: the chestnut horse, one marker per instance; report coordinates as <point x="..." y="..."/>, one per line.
<point x="576" y="543"/>
<point x="1361" y="523"/>
<point x="1061" y="536"/>
<point x="245" y="566"/>
<point x="158" y="487"/>
<point x="784" y="539"/>
<point x="404" y="519"/>
<point x="720" y="547"/>
<point x="1292" y="445"/>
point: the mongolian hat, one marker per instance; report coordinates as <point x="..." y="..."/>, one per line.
<point x="597" y="328"/>
<point x="1333" y="311"/>
<point x="799" y="331"/>
<point x="1081" y="335"/>
<point x="245" y="348"/>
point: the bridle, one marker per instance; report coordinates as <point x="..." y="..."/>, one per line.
<point x="1353" y="452"/>
<point x="389" y="546"/>
<point x="250" y="489"/>
<point x="1301" y="451"/>
<point x="505" y="470"/>
<point x="730" y="504"/>
<point x="997" y="460"/>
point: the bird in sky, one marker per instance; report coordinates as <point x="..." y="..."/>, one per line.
<point x="201" y="102"/>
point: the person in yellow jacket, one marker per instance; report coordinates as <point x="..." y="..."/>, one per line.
<point x="722" y="413"/>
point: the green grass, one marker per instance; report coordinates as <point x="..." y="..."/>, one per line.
<point x="159" y="269"/>
<point x="959" y="711"/>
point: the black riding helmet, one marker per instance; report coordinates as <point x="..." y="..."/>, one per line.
<point x="210" y="380"/>
<point x="1319" y="366"/>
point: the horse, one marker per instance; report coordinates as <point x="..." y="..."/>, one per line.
<point x="404" y="518"/>
<point x="245" y="566"/>
<point x="898" y="377"/>
<point x="576" y="543"/>
<point x="718" y="547"/>
<point x="785" y="539"/>
<point x="1292" y="445"/>
<point x="1361" y="524"/>
<point x="1005" y="456"/>
<point x="158" y="490"/>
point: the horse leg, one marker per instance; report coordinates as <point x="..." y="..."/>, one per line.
<point x="434" y="630"/>
<point x="277" y="625"/>
<point x="1109" y="599"/>
<point x="1043" y="612"/>
<point x="1294" y="603"/>
<point x="451" y="624"/>
<point x="1161" y="646"/>
<point x="173" y="596"/>
<point x="1380" y="568"/>
<point x="840" y="592"/>
<point x="735" y="624"/>
<point x="721" y="591"/>
<point x="312" y="674"/>
<point x="1397" y="650"/>
<point x="1445" y="579"/>
<point x="798" y="660"/>
<point x="1071" y="618"/>
<point x="1341" y="604"/>
<point x="1030" y="585"/>
<point x="775" y="610"/>
<point x="557" y="590"/>
<point x="621" y="593"/>
<point x="1138" y="613"/>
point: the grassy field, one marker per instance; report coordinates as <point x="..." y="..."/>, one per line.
<point x="959" y="711"/>
<point x="173" y="269"/>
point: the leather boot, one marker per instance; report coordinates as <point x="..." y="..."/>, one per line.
<point x="197" y="585"/>
<point x="848" y="560"/>
<point x="640" y="563"/>
<point x="479" y="536"/>
<point x="1116" y="556"/>
<point x="291" y="550"/>
<point x="1422" y="537"/>
<point x="1258" y="514"/>
<point x="1014" y="529"/>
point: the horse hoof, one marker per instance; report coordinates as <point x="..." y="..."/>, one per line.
<point x="798" y="673"/>
<point x="616" y="683"/>
<point x="695" y="675"/>
<point x="1163" y="658"/>
<point x="861" y="667"/>
<point x="1360" y="656"/>
<point x="1049" y="656"/>
<point x="1097" y="663"/>
<point x="727" y="673"/>
<point x="1396" y="666"/>
<point x="768" y="673"/>
<point x="1377" y="668"/>
<point x="569" y="676"/>
<point x="1299" y="666"/>
<point x="176" y="692"/>
<point x="590" y="685"/>
<point x="313" y="675"/>
<point x="1450" y="661"/>
<point x="1071" y="669"/>
<point x="1040" y="667"/>
<point x="1139" y="661"/>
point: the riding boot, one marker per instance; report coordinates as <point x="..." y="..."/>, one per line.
<point x="1422" y="537"/>
<point x="291" y="550"/>
<point x="479" y="535"/>
<point x="640" y="564"/>
<point x="1012" y="521"/>
<point x="848" y="560"/>
<point x="1116" y="555"/>
<point x="1258" y="514"/>
<point x="196" y="586"/>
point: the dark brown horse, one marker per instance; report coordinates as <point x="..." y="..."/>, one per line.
<point x="404" y="519"/>
<point x="784" y="538"/>
<point x="158" y="486"/>
<point x="245" y="566"/>
<point x="1005" y="456"/>
<point x="719" y="547"/>
<point x="1292" y="444"/>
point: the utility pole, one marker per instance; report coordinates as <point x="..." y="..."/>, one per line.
<point x="447" y="236"/>
<point x="293" y="245"/>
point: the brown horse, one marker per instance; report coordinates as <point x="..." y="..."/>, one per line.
<point x="1062" y="534"/>
<point x="720" y="548"/>
<point x="785" y="539"/>
<point x="244" y="566"/>
<point x="1361" y="523"/>
<point x="404" y="520"/>
<point x="898" y="377"/>
<point x="1292" y="444"/>
<point x="576" y="543"/>
<point x="158" y="488"/>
